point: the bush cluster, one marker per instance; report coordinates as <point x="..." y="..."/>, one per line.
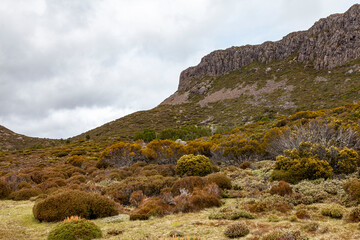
<point x="73" y="203"/>
<point x="312" y="161"/>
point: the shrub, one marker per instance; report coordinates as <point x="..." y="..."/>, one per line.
<point x="136" y="198"/>
<point x="191" y="165"/>
<point x="199" y="199"/>
<point x="75" y="228"/>
<point x="4" y="189"/>
<point x="76" y="160"/>
<point x="150" y="186"/>
<point x="153" y="206"/>
<point x="282" y="189"/>
<point x="296" y="165"/>
<point x="25" y="194"/>
<point x="147" y="135"/>
<point x="164" y="151"/>
<point x="333" y="211"/>
<point x="220" y="179"/>
<point x="73" y="203"/>
<point x="352" y="187"/>
<point x="187" y="183"/>
<point x="302" y="214"/>
<point x="120" y="154"/>
<point x="245" y="165"/>
<point x="354" y="215"/>
<point x="237" y="230"/>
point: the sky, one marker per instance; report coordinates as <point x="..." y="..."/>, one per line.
<point x="72" y="65"/>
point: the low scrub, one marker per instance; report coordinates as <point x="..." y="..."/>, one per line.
<point x="73" y="203"/>
<point x="333" y="211"/>
<point x="237" y="230"/>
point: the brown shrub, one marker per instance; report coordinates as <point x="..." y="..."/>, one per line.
<point x="25" y="194"/>
<point x="237" y="230"/>
<point x="352" y="187"/>
<point x="73" y="203"/>
<point x="76" y="160"/>
<point x="245" y="165"/>
<point x="258" y="207"/>
<point x="220" y="179"/>
<point x="282" y="189"/>
<point x="354" y="215"/>
<point x="302" y="214"/>
<point x="4" y="189"/>
<point x="199" y="199"/>
<point x="136" y="198"/>
<point x="153" y="206"/>
<point x="187" y="183"/>
<point x="150" y="186"/>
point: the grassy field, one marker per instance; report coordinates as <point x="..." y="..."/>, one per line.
<point x="17" y="222"/>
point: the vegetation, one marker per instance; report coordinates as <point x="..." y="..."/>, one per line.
<point x="75" y="228"/>
<point x="191" y="165"/>
<point x="73" y="203"/>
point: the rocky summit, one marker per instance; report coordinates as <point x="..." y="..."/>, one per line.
<point x="329" y="43"/>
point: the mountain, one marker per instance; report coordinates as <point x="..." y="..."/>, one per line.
<point x="306" y="70"/>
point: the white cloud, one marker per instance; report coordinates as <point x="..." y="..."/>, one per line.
<point x="69" y="66"/>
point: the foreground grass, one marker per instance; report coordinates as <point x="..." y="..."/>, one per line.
<point x="17" y="222"/>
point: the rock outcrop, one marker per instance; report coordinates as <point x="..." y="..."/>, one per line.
<point x="329" y="43"/>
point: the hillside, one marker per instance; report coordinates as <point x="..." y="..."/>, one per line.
<point x="12" y="141"/>
<point x="308" y="70"/>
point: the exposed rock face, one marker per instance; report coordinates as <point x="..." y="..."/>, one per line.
<point x="329" y="43"/>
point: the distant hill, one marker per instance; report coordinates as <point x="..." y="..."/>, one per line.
<point x="307" y="70"/>
<point x="13" y="141"/>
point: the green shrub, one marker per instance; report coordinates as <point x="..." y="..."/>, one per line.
<point x="75" y="229"/>
<point x="237" y="230"/>
<point x="220" y="179"/>
<point x="298" y="164"/>
<point x="191" y="165"/>
<point x="147" y="135"/>
<point x="73" y="203"/>
<point x="333" y="211"/>
<point x="25" y="194"/>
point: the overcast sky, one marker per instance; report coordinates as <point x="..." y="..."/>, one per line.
<point x="67" y="66"/>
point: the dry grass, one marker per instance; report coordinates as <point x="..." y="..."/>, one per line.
<point x="17" y="222"/>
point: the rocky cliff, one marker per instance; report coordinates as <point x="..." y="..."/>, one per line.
<point x="329" y="43"/>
